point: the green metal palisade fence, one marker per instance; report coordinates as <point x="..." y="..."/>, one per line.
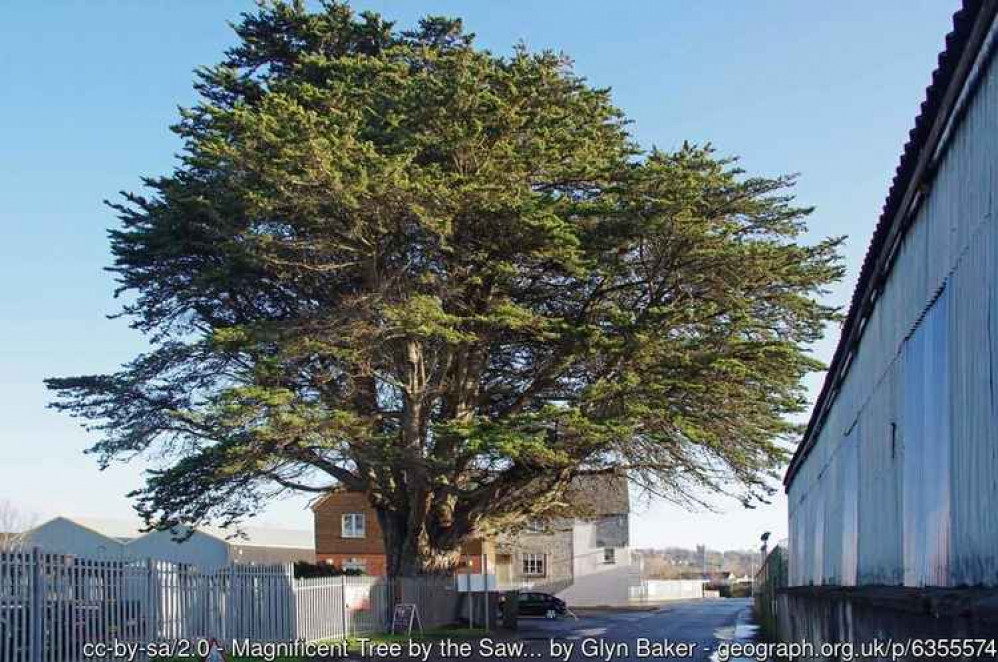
<point x="771" y="578"/>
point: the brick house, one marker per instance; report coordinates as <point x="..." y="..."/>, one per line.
<point x="584" y="560"/>
<point x="348" y="535"/>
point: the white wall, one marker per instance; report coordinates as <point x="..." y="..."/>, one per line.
<point x="595" y="583"/>
<point x="900" y="486"/>
<point x="671" y="589"/>
<point x="63" y="536"/>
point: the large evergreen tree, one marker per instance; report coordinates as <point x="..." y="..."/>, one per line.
<point x="389" y="261"/>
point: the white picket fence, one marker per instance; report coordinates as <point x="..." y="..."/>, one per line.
<point x="52" y="605"/>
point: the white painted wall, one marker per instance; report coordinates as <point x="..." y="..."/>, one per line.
<point x="594" y="582"/>
<point x="671" y="589"/>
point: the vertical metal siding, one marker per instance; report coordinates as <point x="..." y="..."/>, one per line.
<point x="849" y="467"/>
<point x="879" y="450"/>
<point x="952" y="244"/>
<point x="974" y="459"/>
<point x="925" y="449"/>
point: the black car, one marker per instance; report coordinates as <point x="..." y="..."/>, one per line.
<point x="540" y="604"/>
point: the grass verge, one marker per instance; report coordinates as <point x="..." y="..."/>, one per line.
<point x="430" y="634"/>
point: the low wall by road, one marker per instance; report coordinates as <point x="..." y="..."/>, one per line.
<point x="659" y="590"/>
<point x="821" y="614"/>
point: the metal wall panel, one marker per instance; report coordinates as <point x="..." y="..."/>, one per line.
<point x="925" y="434"/>
<point x="893" y="416"/>
<point x="879" y="457"/>
<point x="974" y="382"/>
<point x="849" y="468"/>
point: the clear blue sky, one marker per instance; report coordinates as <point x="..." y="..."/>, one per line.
<point x="88" y="89"/>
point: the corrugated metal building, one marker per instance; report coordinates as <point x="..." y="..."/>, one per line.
<point x="208" y="547"/>
<point x="896" y="481"/>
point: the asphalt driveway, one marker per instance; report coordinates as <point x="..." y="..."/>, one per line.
<point x="696" y="629"/>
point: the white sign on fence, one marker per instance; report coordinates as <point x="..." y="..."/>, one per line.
<point x="476" y="582"/>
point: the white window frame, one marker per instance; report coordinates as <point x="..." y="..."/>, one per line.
<point x="355" y="564"/>
<point x="609" y="556"/>
<point x="533" y="564"/>
<point x="353" y="525"/>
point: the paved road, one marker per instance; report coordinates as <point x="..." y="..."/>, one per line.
<point x="613" y="636"/>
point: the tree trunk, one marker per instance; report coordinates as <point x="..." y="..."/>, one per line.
<point x="409" y="552"/>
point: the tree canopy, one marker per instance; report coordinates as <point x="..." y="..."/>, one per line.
<point x="392" y="262"/>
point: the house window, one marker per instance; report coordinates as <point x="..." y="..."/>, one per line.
<point x="355" y="564"/>
<point x="609" y="555"/>
<point x="533" y="565"/>
<point x="353" y="525"/>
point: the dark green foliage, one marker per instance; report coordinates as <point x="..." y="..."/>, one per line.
<point x="391" y="262"/>
<point x="306" y="570"/>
